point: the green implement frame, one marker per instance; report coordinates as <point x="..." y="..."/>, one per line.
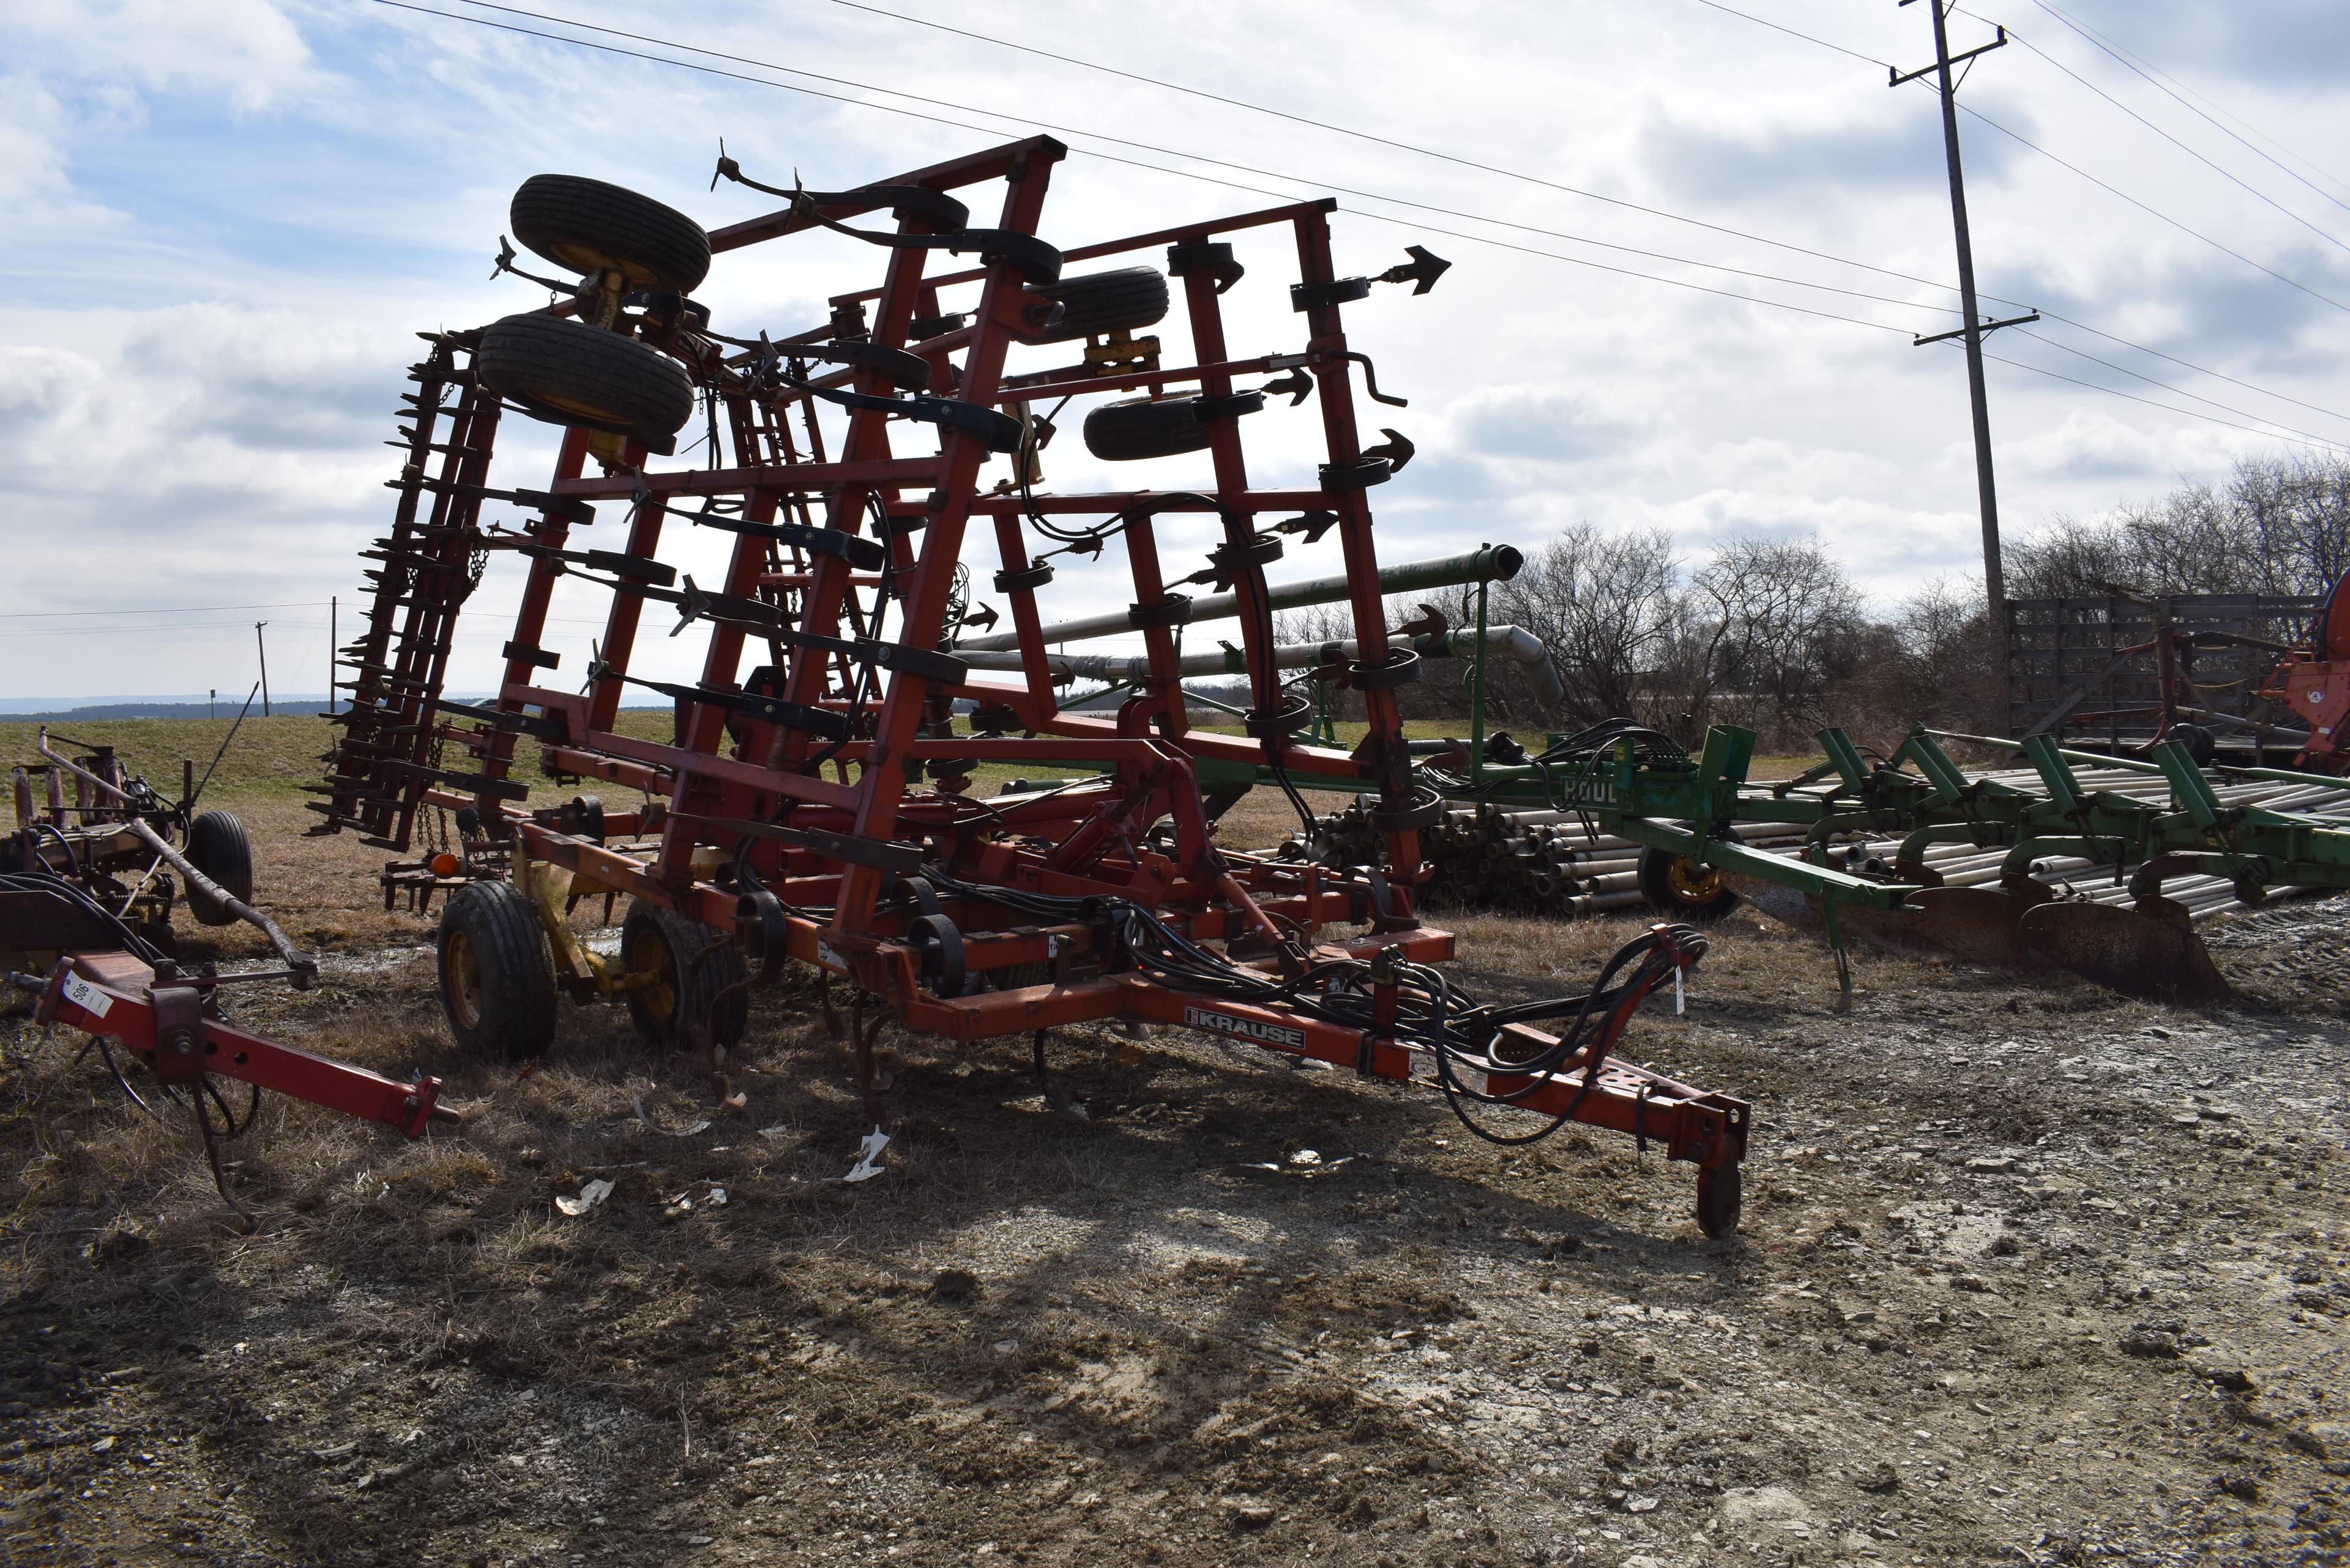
<point x="1691" y="807"/>
<point x="1639" y="787"/>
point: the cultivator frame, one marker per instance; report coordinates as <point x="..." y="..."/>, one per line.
<point x="967" y="919"/>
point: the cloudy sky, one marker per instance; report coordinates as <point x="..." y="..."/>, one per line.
<point x="227" y="220"/>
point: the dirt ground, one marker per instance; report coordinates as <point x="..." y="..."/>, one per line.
<point x="2029" y="1273"/>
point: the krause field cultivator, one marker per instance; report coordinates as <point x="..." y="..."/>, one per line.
<point x="86" y="896"/>
<point x="814" y="808"/>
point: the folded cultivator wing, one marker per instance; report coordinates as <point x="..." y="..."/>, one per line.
<point x="812" y="804"/>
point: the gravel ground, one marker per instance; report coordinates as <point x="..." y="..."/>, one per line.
<point x="2027" y="1274"/>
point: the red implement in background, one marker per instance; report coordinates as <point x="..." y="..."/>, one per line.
<point x="2314" y="680"/>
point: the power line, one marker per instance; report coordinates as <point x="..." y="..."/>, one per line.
<point x="2053" y="315"/>
<point x="1136" y="163"/>
<point x="2164" y="82"/>
<point x="2142" y="119"/>
<point x="1779" y="28"/>
<point x="2153" y="211"/>
<point x="1247" y="168"/>
<point x="2150" y="403"/>
<point x="1208" y="179"/>
<point x="2189" y="364"/>
<point x="2044" y="152"/>
<point x="1386" y="141"/>
<point x="1430" y="152"/>
<point x="2149" y="380"/>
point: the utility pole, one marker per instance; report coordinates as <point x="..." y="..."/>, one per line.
<point x="265" y="666"/>
<point x="1974" y="328"/>
<point x="211" y="702"/>
<point x="333" y="604"/>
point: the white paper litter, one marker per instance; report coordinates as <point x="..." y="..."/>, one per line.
<point x="717" y="1199"/>
<point x="868" y="1154"/>
<point x="591" y="1194"/>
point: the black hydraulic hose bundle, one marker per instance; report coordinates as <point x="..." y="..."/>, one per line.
<point x="1433" y="1014"/>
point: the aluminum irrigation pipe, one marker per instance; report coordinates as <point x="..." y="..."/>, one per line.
<point x="1490" y="563"/>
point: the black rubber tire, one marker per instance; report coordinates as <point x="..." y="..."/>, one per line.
<point x="1138" y="427"/>
<point x="652" y="936"/>
<point x="588" y="225"/>
<point x="218" y="846"/>
<point x="1657" y="870"/>
<point x="568" y="372"/>
<point x="2202" y="746"/>
<point x="496" y="973"/>
<point x="1100" y="302"/>
<point x="1720" y="1195"/>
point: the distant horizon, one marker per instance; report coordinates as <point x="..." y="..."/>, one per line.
<point x="43" y="704"/>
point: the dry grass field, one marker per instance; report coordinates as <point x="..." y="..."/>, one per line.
<point x="2029" y="1275"/>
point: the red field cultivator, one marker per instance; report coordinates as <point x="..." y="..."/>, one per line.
<point x="816" y="807"/>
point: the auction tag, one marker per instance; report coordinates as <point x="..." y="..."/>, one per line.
<point x="85" y="996"/>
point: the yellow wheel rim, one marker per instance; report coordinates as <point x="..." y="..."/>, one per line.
<point x="587" y="258"/>
<point x="648" y="954"/>
<point x="1693" y="882"/>
<point x="465" y="981"/>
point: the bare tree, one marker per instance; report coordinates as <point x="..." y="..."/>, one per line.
<point x="1946" y="666"/>
<point x="2279" y="526"/>
<point x="1785" y="625"/>
<point x="1603" y="605"/>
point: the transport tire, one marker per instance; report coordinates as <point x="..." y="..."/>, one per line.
<point x="218" y="846"/>
<point x="1138" y="427"/>
<point x="497" y="972"/>
<point x="662" y="942"/>
<point x="586" y="225"/>
<point x="566" y="372"/>
<point x="1103" y="302"/>
<point x="1685" y="889"/>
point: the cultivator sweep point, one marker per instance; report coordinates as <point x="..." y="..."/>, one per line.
<point x="815" y="808"/>
<point x="2148" y="950"/>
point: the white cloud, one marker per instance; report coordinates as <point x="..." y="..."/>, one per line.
<point x="249" y="52"/>
<point x="226" y="220"/>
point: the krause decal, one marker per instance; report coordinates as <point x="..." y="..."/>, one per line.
<point x="1263" y="1033"/>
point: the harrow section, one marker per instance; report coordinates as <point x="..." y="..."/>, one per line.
<point x="815" y="808"/>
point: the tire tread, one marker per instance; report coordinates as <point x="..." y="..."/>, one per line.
<point x="561" y="216"/>
<point x="517" y="966"/>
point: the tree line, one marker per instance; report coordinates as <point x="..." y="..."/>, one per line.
<point x="1771" y="633"/>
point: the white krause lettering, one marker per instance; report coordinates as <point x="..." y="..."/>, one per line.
<point x="1244" y="1028"/>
